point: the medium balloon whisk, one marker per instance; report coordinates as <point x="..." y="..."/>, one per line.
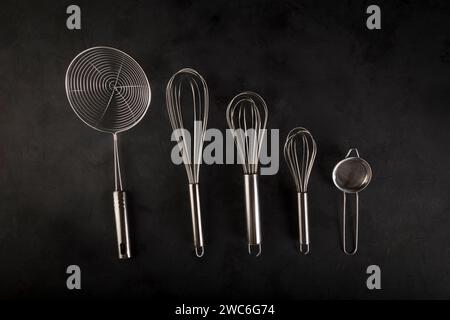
<point x="247" y="118"/>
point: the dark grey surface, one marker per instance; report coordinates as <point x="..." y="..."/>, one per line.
<point x="385" y="92"/>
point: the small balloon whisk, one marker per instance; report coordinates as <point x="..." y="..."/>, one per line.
<point x="299" y="152"/>
<point x="247" y="118"/>
<point x="190" y="135"/>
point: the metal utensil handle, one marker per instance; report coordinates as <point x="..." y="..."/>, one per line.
<point x="355" y="226"/>
<point x="252" y="214"/>
<point x="120" y="210"/>
<point x="196" y="219"/>
<point x="303" y="224"/>
<point x="349" y="153"/>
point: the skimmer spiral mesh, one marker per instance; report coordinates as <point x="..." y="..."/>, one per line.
<point x="107" y="89"/>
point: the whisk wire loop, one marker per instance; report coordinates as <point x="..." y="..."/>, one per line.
<point x="247" y="118"/>
<point x="300" y="141"/>
<point x="191" y="147"/>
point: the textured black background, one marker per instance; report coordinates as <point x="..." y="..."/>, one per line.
<point x="386" y="92"/>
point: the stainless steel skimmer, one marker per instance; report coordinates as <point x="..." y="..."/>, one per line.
<point x="351" y="175"/>
<point x="190" y="142"/>
<point x="109" y="91"/>
<point x="247" y="118"/>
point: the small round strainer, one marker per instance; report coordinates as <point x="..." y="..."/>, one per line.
<point x="351" y="175"/>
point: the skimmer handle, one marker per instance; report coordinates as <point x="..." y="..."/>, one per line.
<point x="121" y="215"/>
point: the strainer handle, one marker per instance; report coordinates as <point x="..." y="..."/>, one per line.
<point x="121" y="215"/>
<point x="355" y="225"/>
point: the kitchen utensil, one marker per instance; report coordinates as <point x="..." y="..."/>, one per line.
<point x="191" y="149"/>
<point x="351" y="175"/>
<point x="247" y="118"/>
<point x="299" y="152"/>
<point x="109" y="91"/>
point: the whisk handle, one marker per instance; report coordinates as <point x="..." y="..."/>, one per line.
<point x="252" y="213"/>
<point x="121" y="215"/>
<point x="196" y="219"/>
<point x="303" y="224"/>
